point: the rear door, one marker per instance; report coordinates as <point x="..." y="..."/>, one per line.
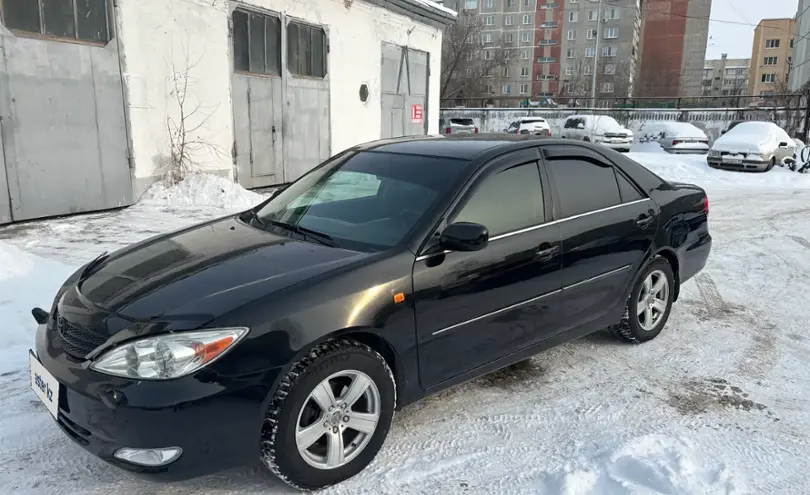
<point x="475" y="307"/>
<point x="607" y="227"/>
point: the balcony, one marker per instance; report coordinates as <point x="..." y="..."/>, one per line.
<point x="549" y="24"/>
<point x="546" y="42"/>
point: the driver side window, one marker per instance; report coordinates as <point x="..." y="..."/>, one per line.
<point x="506" y="201"/>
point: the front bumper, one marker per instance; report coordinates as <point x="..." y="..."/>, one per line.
<point x="622" y="146"/>
<point x="215" y="421"/>
<point x="746" y="164"/>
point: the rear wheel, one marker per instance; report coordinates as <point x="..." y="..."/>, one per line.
<point x="330" y="415"/>
<point x="649" y="304"/>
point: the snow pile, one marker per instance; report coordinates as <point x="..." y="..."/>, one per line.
<point x="647" y="464"/>
<point x="26" y="281"/>
<point x="201" y="190"/>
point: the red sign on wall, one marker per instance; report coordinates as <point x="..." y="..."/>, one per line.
<point x="416" y="114"/>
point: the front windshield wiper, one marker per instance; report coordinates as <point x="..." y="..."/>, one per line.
<point x="255" y="218"/>
<point x="324" y="239"/>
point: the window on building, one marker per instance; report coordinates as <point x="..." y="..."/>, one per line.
<point x="611" y="13"/>
<point x="606" y="87"/>
<point x="469" y="72"/>
<point x="591" y="34"/>
<point x="766" y="93"/>
<point x="609" y="51"/>
<point x="610" y="68"/>
<point x="82" y="20"/>
<point x="791" y="42"/>
<point x="524" y="54"/>
<point x="257" y="43"/>
<point x="573" y="1"/>
<point x="471" y="4"/>
<point x="572" y="35"/>
<point x="510" y="3"/>
<point x="772" y="43"/>
<point x="770" y="61"/>
<point x="524" y="89"/>
<point x="573" y="16"/>
<point x="590" y="52"/>
<point x="507" y="89"/>
<point x="593" y="15"/>
<point x="569" y="70"/>
<point x="527" y="19"/>
<point x="488" y="4"/>
<point x="526" y="36"/>
<point x="508" y="38"/>
<point x="528" y="3"/>
<point x="306" y="50"/>
<point x="506" y="72"/>
<point x="470" y="56"/>
<point x="587" y="70"/>
<point x="768" y="78"/>
<point x="486" y="38"/>
<point x="488" y="55"/>
<point x="509" y="20"/>
<point x="524" y="72"/>
<point x="570" y="53"/>
<point x="489" y="89"/>
<point x="489" y="20"/>
<point x="611" y="33"/>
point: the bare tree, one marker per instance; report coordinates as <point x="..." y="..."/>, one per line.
<point x="612" y="79"/>
<point x="469" y="62"/>
<point x="186" y="120"/>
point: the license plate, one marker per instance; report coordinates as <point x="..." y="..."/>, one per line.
<point x="616" y="141"/>
<point x="734" y="161"/>
<point x="44" y="385"/>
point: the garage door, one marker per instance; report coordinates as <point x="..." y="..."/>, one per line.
<point x="404" y="91"/>
<point x="62" y="121"/>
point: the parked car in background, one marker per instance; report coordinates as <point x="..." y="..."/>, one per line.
<point x="732" y="125"/>
<point x="457" y="125"/>
<point x="529" y="125"/>
<point x="751" y="145"/>
<point x="675" y="137"/>
<point x="290" y="332"/>
<point x="600" y="129"/>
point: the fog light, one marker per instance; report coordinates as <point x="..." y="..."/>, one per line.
<point x="149" y="457"/>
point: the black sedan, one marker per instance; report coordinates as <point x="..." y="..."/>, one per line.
<point x="288" y="334"/>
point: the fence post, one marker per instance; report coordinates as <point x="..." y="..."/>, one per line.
<point x="806" y="116"/>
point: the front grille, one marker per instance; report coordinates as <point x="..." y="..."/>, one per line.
<point x="615" y="135"/>
<point x="77" y="341"/>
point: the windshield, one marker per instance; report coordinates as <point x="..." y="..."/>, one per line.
<point x="365" y="201"/>
<point x="461" y="121"/>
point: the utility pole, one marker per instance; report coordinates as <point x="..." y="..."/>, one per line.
<point x="596" y="53"/>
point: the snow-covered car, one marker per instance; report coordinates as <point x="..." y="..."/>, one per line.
<point x="600" y="129"/>
<point x="529" y="125"/>
<point x="457" y="125"/>
<point x="751" y="146"/>
<point x="675" y="137"/>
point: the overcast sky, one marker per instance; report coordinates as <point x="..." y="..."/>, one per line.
<point x="735" y="39"/>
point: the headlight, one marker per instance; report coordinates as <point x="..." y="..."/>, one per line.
<point x="714" y="153"/>
<point x="168" y="356"/>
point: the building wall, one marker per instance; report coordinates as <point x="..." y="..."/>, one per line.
<point x="766" y="34"/>
<point x="548" y="50"/>
<point x="191" y="37"/>
<point x="696" y="35"/>
<point x="800" y="72"/>
<point x="725" y="77"/>
<point x="623" y="16"/>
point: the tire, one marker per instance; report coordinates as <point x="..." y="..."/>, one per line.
<point x="771" y="164"/>
<point x="293" y="408"/>
<point x="632" y="328"/>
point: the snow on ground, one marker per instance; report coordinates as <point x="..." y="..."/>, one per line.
<point x="718" y="404"/>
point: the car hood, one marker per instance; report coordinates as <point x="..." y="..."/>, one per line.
<point x="204" y="271"/>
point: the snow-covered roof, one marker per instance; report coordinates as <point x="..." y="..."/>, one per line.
<point x="426" y="11"/>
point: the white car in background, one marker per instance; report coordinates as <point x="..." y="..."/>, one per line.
<point x="675" y="137"/>
<point x="457" y="125"/>
<point x="529" y="125"/>
<point x="751" y="146"/>
<point x="600" y="129"/>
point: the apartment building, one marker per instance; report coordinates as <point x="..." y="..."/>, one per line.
<point x="771" y="57"/>
<point x="600" y="37"/>
<point x="528" y="33"/>
<point x="800" y="68"/>
<point x="725" y="76"/>
<point x="673" y="47"/>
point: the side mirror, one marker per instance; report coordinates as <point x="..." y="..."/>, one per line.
<point x="783" y="144"/>
<point x="722" y="132"/>
<point x="580" y="126"/>
<point x="464" y="236"/>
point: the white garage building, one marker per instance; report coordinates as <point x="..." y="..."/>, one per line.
<point x="95" y="106"/>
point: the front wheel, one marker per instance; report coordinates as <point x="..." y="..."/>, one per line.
<point x="329" y="416"/>
<point x="771" y="163"/>
<point x="649" y="304"/>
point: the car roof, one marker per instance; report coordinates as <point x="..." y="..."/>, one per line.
<point x="463" y="147"/>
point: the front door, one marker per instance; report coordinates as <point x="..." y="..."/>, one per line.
<point x="607" y="228"/>
<point x="404" y="91"/>
<point x="475" y="307"/>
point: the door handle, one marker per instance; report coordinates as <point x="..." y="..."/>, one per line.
<point x="644" y="220"/>
<point x="547" y="251"/>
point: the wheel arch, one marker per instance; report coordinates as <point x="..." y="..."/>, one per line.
<point x="672" y="258"/>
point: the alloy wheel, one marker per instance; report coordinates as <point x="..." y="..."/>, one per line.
<point x="338" y="419"/>
<point x="652" y="300"/>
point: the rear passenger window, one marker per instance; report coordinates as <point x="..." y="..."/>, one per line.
<point x="506" y="201"/>
<point x="628" y="191"/>
<point x="584" y="186"/>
